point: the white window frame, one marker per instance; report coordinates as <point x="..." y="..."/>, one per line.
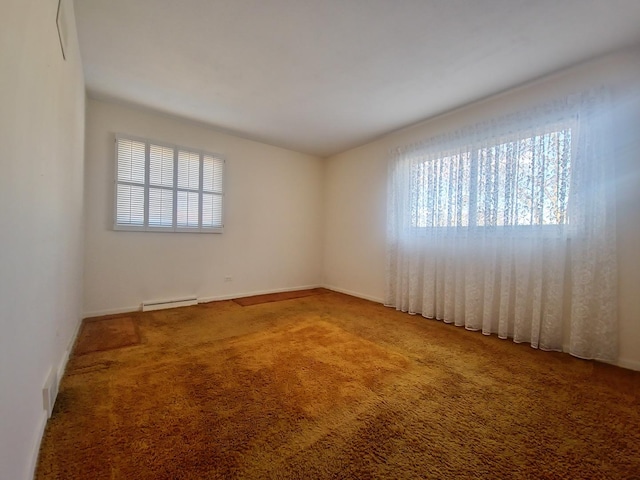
<point x="473" y="151"/>
<point x="145" y="227"/>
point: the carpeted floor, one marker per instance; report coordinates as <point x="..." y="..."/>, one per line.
<point x="106" y="334"/>
<point x="330" y="386"/>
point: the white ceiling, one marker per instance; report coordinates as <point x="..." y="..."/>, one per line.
<point x="322" y="76"/>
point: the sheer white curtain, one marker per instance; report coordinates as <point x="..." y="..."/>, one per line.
<point x="508" y="227"/>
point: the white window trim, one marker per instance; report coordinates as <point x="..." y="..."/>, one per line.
<point x="472" y="151"/>
<point x="175" y="189"/>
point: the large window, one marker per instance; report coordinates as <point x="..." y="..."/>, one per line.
<point x="522" y="181"/>
<point x="508" y="226"/>
<point x="167" y="188"/>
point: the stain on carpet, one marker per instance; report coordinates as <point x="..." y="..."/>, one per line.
<point x="97" y="335"/>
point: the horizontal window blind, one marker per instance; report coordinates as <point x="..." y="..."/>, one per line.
<point x="166" y="188"/>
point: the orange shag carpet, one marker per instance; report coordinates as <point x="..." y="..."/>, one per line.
<point x="106" y="334"/>
<point x="331" y="386"/>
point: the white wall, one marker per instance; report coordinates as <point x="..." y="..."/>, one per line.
<point x="273" y="211"/>
<point x="355" y="186"/>
<point x="41" y="213"/>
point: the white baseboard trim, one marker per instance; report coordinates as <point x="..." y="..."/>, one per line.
<point x="630" y="364"/>
<point x="111" y="311"/>
<point x="231" y="296"/>
<point x="354" y="294"/>
<point x="214" y="298"/>
<point x="60" y="369"/>
<point x="35" y="449"/>
<point x="62" y="365"/>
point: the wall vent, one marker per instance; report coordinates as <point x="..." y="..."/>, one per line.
<point x="50" y="392"/>
<point x="162" y="304"/>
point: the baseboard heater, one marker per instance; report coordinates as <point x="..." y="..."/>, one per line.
<point x="162" y="304"/>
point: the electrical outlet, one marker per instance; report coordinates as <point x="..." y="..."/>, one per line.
<point x="228" y="279"/>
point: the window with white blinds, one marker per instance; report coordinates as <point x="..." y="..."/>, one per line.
<point x="166" y="188"/>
